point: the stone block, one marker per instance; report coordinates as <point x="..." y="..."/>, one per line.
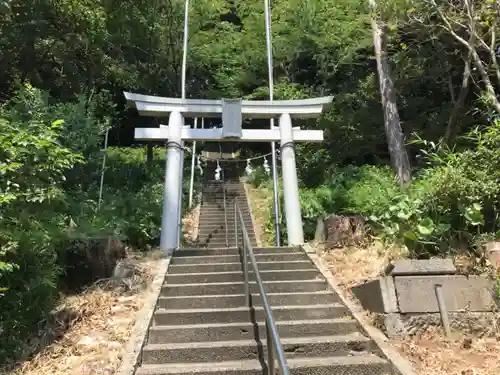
<point x="492" y="251"/>
<point x="394" y="326"/>
<point x="377" y="295"/>
<point x="417" y="294"/>
<point x="320" y="234"/>
<point x="410" y="267"/>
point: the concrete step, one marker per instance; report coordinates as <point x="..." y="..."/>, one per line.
<point x="218" y="214"/>
<point x="224" y="277"/>
<point x="212" y="219"/>
<point x="222" y="229"/>
<point x="171" y="290"/>
<point x="204" y="230"/>
<point x="214" y="224"/>
<point x="218" y="221"/>
<point x="217" y="351"/>
<point x="219" y="242"/>
<point x="218" y="208"/>
<point x="245" y="331"/>
<point x="240" y="200"/>
<point x="244" y="314"/>
<point x="220" y="236"/>
<point x="215" y="217"/>
<point x="236" y="266"/>
<point x="285" y="257"/>
<point x="233" y="251"/>
<point x="230" y="194"/>
<point x="236" y="300"/>
<point x="240" y="190"/>
<point x="210" y="188"/>
<point x="338" y="365"/>
<point x="219" y="218"/>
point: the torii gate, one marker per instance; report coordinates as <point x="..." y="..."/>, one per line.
<point x="232" y="112"/>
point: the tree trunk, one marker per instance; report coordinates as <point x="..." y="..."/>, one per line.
<point x="451" y="128"/>
<point x="483" y="72"/>
<point x="395" y="136"/>
<point x="149" y="159"/>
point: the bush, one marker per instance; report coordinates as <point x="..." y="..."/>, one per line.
<point x="259" y="177"/>
<point x="33" y="164"/>
<point x="453" y="201"/>
<point x="50" y="172"/>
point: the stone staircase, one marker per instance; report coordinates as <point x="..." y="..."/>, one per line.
<point x="202" y="326"/>
<point x="212" y="222"/>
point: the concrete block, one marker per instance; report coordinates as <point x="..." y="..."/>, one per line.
<point x="394" y="326"/>
<point x="411" y="267"/>
<point x="492" y="251"/>
<point x="417" y="294"/>
<point x="320" y="234"/>
<point x="377" y="295"/>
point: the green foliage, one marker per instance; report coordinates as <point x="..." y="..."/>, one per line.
<point x="259" y="177"/>
<point x="452" y="202"/>
<point x="33" y="165"/>
<point x="50" y="172"/>
<point x="86" y="52"/>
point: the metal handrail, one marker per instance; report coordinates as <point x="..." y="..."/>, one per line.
<point x="274" y="347"/>
<point x="225" y="207"/>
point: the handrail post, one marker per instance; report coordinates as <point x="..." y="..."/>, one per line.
<point x="275" y="349"/>
<point x="271" y="364"/>
<point x="245" y="270"/>
<point x="235" y="224"/>
<point x="225" y="207"/>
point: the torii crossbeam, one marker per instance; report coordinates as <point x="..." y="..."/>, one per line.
<point x="232" y="112"/>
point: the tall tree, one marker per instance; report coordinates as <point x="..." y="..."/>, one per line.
<point x="392" y="122"/>
<point x="479" y="22"/>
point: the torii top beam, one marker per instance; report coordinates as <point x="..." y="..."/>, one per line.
<point x="162" y="106"/>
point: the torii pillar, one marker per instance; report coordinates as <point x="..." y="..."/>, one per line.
<point x="232" y="112"/>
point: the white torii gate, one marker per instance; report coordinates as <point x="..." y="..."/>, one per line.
<point x="232" y="111"/>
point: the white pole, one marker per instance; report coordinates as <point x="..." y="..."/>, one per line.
<point x="290" y="183"/>
<point x="177" y="237"/>
<point x="173" y="180"/>
<point x="193" y="157"/>
<point x="103" y="169"/>
<point x="273" y="144"/>
<point x="181" y="172"/>
<point x="184" y="52"/>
